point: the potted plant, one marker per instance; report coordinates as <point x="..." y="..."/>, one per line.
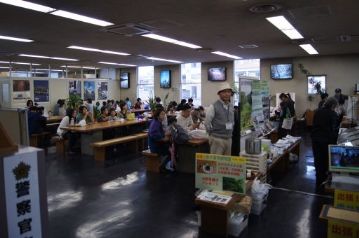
<point x="74" y="101"/>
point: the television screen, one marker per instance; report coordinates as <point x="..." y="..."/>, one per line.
<point x="315" y="83"/>
<point x="281" y="71"/>
<point x="217" y="74"/>
<point x="344" y="158"/>
<point x="165" y="79"/>
<point x="125" y="80"/>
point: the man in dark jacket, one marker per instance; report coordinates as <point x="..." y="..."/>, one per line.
<point x="324" y="133"/>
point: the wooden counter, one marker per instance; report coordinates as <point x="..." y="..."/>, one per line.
<point x="187" y="154"/>
<point x="54" y="119"/>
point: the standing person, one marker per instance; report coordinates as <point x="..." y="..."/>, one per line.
<point x="341" y="98"/>
<point x="285" y="113"/>
<point x="219" y="122"/>
<point x="324" y="97"/>
<point x="324" y="133"/>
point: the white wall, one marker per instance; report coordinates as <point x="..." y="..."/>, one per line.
<point x="342" y="72"/>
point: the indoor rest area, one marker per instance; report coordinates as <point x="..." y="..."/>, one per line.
<point x="191" y="119"/>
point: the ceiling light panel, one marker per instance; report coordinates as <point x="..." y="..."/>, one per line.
<point x="284" y="25"/>
<point x="77" y="67"/>
<point x="82" y="18"/>
<point x="111" y="63"/>
<point x="226" y="55"/>
<point x="97" y="50"/>
<point x="172" y="41"/>
<point x="22" y="63"/>
<point x="161" y="59"/>
<point x="48" y="57"/>
<point x="2" y="37"/>
<point x="309" y="49"/>
<point x="28" y="5"/>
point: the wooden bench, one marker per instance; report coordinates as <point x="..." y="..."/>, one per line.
<point x="37" y="140"/>
<point x="153" y="161"/>
<point x="61" y="145"/>
<point x="100" y="147"/>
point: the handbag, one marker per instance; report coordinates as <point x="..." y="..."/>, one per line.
<point x="287" y="123"/>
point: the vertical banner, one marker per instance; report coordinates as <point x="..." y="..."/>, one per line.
<point x="22" y="195"/>
<point x="75" y="87"/>
<point x="246" y="104"/>
<point x="41" y="90"/>
<point x="260" y="101"/>
<point x="89" y="90"/>
<point x="102" y="90"/>
<point x="21" y="89"/>
<point x="221" y="172"/>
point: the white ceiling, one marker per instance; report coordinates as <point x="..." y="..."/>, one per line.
<point x="216" y="24"/>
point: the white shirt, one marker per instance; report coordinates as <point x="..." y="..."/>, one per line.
<point x="64" y="123"/>
<point x="185" y="123"/>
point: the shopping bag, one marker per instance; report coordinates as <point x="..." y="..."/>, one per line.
<point x="287" y="123"/>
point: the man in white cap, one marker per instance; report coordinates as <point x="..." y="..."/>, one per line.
<point x="219" y="122"/>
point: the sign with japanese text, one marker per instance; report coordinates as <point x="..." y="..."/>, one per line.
<point x="22" y="195"/>
<point x="346" y="200"/>
<point x="338" y="229"/>
<point x="221" y="172"/>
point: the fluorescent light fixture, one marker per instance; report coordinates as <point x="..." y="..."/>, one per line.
<point x="309" y="49"/>
<point x="97" y="50"/>
<point x="14" y="38"/>
<point x="34" y="56"/>
<point x="172" y="41"/>
<point x="57" y="70"/>
<point x="28" y="5"/>
<point x="48" y="57"/>
<point x="111" y="63"/>
<point x="82" y="18"/>
<point x="77" y="67"/>
<point x="160" y="59"/>
<point x="284" y="25"/>
<point x="7" y="62"/>
<point x="226" y="55"/>
<point x="4" y="67"/>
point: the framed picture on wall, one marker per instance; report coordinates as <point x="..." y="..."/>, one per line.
<point x="41" y="90"/>
<point x="125" y="80"/>
<point x="316" y="83"/>
<point x="89" y="90"/>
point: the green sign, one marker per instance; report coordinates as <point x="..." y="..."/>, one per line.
<point x="221" y="172"/>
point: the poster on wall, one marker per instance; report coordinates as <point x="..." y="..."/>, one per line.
<point x="102" y="90"/>
<point x="41" y="90"/>
<point x="89" y="90"/>
<point x="220" y="172"/>
<point x="245" y="86"/>
<point x="75" y="87"/>
<point x="21" y="89"/>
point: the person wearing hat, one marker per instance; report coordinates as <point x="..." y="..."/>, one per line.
<point x="219" y="122"/>
<point x="184" y="119"/>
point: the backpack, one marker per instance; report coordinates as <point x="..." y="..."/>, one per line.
<point x="179" y="135"/>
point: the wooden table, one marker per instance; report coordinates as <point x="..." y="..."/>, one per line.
<point x="187" y="154"/>
<point x="94" y="132"/>
<point x="54" y="119"/>
<point x="140" y="110"/>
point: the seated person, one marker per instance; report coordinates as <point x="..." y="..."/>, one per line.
<point x="198" y="115"/>
<point x="104" y="115"/>
<point x="65" y="122"/>
<point x="180" y="106"/>
<point x="36" y="121"/>
<point x="171" y="108"/>
<point x="124" y="110"/>
<point x="190" y="102"/>
<point x="185" y="120"/>
<point x="158" y="140"/>
<point x="138" y="104"/>
<point x="113" y="115"/>
<point x="29" y="104"/>
<point x="84" y="114"/>
<point x="129" y="103"/>
<point x="59" y="109"/>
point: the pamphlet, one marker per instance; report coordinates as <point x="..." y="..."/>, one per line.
<point x="214" y="197"/>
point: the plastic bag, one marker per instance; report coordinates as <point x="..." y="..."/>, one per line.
<point x="259" y="190"/>
<point x="198" y="134"/>
<point x="82" y="123"/>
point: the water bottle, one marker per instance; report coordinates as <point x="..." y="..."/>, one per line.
<point x="72" y="123"/>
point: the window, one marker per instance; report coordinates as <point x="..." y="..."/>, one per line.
<point x="191" y="82"/>
<point x="145" y="82"/>
<point x="249" y="69"/>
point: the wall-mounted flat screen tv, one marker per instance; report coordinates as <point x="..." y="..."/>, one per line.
<point x="217" y="74"/>
<point x="281" y="71"/>
<point x="165" y="79"/>
<point x="125" y="80"/>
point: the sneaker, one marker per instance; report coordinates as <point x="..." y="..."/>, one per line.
<point x="169" y="166"/>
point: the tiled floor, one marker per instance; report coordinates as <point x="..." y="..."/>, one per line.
<point x="123" y="200"/>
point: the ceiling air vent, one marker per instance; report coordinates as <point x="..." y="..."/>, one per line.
<point x="265" y="8"/>
<point x="129" y="29"/>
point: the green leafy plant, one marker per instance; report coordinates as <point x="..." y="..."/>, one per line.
<point x="74" y="101"/>
<point x="152" y="103"/>
<point x="165" y="100"/>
